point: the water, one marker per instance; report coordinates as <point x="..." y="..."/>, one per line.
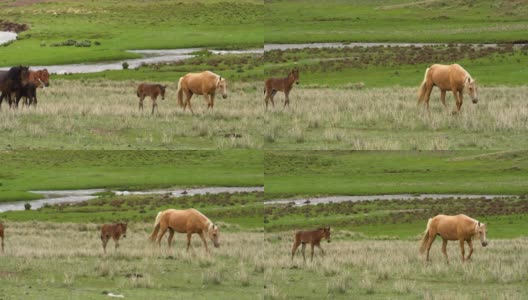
<point x="73" y="196"/>
<point x="149" y="57"/>
<point x="337" y="199"/>
<point x="7" y="36"/>
<point x="269" y="47"/>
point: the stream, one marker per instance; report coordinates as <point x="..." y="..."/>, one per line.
<point x="73" y="196"/>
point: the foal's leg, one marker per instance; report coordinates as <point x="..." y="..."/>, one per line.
<point x="154" y="104"/>
<point x="287" y="99"/>
<point x="2" y="244"/>
<point x="204" y="242"/>
<point x="116" y="242"/>
<point x="294" y="248"/>
<point x="302" y="249"/>
<point x="105" y="241"/>
<point x="322" y="251"/>
<point x="141" y="102"/>
<point x="444" y="249"/>
<point x="312" y="246"/>
<point x="273" y="93"/>
<point x="462" y="250"/>
<point x="470" y="244"/>
<point x="171" y="235"/>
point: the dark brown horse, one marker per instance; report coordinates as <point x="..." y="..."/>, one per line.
<point x="12" y="81"/>
<point x="151" y="90"/>
<point x="2" y="236"/>
<point x="274" y="85"/>
<point x="113" y="231"/>
<point x="313" y="237"/>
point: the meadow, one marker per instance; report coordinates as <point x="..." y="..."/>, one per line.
<point x="313" y="173"/>
<point x="96" y="114"/>
<point x="112" y="27"/>
<point x="390" y="119"/>
<point x="394" y="21"/>
<point x="383" y="269"/>
<point x="63" y="243"/>
<point x="23" y="171"/>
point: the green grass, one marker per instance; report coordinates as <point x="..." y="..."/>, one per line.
<point x="130" y="24"/>
<point x="396" y="66"/>
<point x="392" y="172"/>
<point x="56" y="170"/>
<point x="414" y="21"/>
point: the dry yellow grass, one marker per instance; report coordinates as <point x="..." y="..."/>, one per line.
<point x="394" y="269"/>
<point x="59" y="259"/>
<point x="390" y="119"/>
<point x="104" y="115"/>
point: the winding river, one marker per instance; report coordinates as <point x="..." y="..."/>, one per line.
<point x="73" y="196"/>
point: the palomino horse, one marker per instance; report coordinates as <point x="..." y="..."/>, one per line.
<point x="204" y="83"/>
<point x="272" y="85"/>
<point x="151" y="90"/>
<point x="113" y="231"/>
<point x="12" y="81"/>
<point x="453" y="228"/>
<point x="187" y="221"/>
<point x="2" y="236"/>
<point x="447" y="78"/>
<point x="313" y="237"/>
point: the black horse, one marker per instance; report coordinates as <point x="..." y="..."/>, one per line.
<point x="13" y="81"/>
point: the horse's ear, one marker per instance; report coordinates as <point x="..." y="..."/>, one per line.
<point x="478" y="223"/>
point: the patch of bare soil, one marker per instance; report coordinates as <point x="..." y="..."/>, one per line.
<point x="12" y="26"/>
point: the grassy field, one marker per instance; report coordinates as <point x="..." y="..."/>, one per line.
<point x="132" y="170"/>
<point x="311" y="173"/>
<point x="396" y="20"/>
<point x="393" y="269"/>
<point x="390" y="119"/>
<point x="361" y="67"/>
<point x="115" y="26"/>
<point x="95" y="114"/>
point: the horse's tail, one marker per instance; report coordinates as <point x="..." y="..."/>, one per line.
<point x="425" y="238"/>
<point x="180" y="92"/>
<point x="423" y="88"/>
<point x="156" y="227"/>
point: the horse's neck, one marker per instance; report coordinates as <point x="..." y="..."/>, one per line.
<point x="291" y="80"/>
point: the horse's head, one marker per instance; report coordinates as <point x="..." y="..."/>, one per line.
<point x="470" y="86"/>
<point x="214" y="235"/>
<point x="123" y="227"/>
<point x="222" y="85"/>
<point x="481" y="231"/>
<point x="162" y="91"/>
<point x="326" y="233"/>
<point x="295" y="75"/>
<point x="43" y="77"/>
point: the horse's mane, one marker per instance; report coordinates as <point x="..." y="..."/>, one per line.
<point x="15" y="72"/>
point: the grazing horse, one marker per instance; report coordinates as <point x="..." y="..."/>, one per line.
<point x="113" y="231"/>
<point x="447" y="78"/>
<point x="187" y="221"/>
<point x="453" y="228"/>
<point x="313" y="237"/>
<point x="272" y="85"/>
<point x="151" y="90"/>
<point x="12" y="81"/>
<point x="2" y="236"/>
<point x="205" y="83"/>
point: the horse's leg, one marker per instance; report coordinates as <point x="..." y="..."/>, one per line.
<point x="294" y="248"/>
<point x="273" y="93"/>
<point x="162" y="233"/>
<point x="154" y="104"/>
<point x="322" y="251"/>
<point x="212" y="100"/>
<point x="470" y="244"/>
<point x="442" y="98"/>
<point x="428" y="90"/>
<point x="444" y="249"/>
<point x="171" y="235"/>
<point x="105" y="241"/>
<point x="462" y="250"/>
<point x="287" y="99"/>
<point x="189" y="235"/>
<point x="460" y="97"/>
<point x="429" y="244"/>
<point x="457" y="101"/>
<point x="302" y="249"/>
<point x="208" y="100"/>
<point x="116" y="242"/>
<point x="141" y="102"/>
<point x="204" y="242"/>
<point x="312" y="253"/>
<point x="266" y="98"/>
